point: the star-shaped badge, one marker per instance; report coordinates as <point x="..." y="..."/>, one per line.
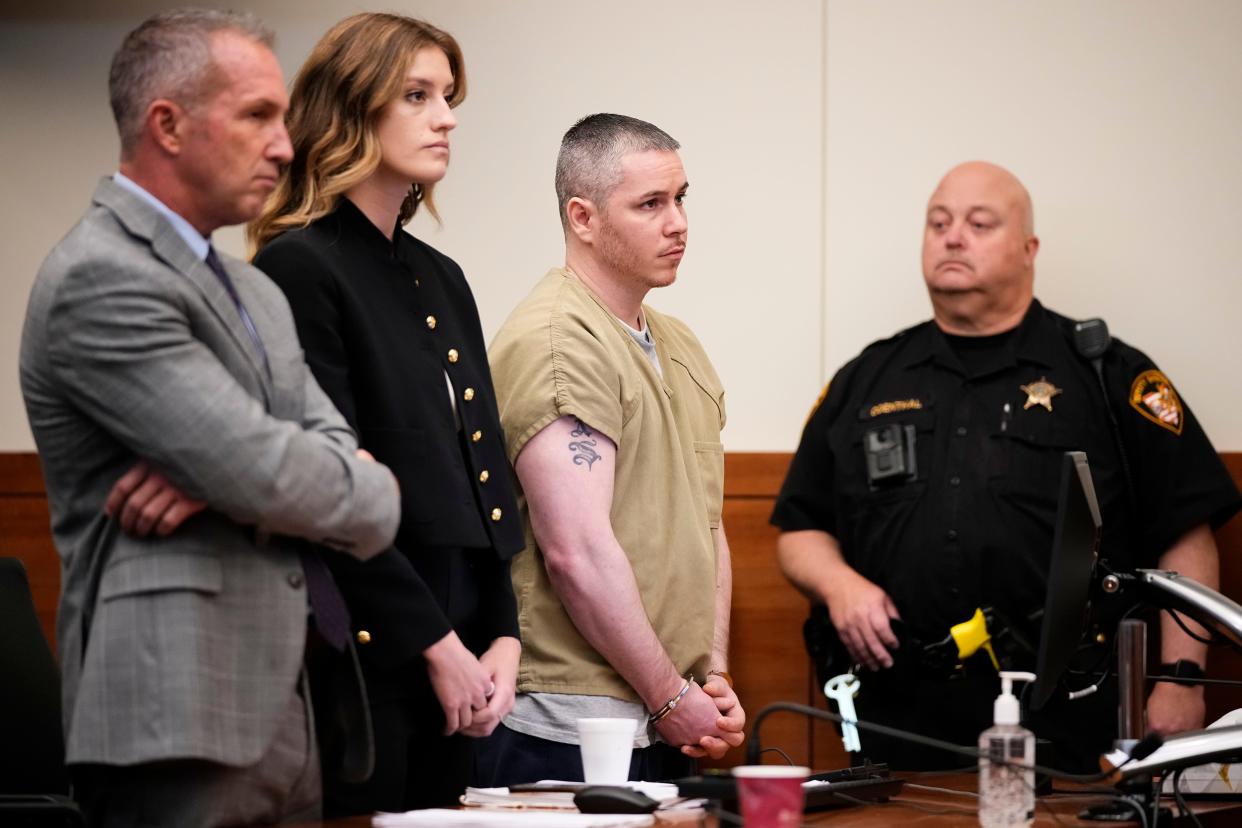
<point x="1040" y="393"/>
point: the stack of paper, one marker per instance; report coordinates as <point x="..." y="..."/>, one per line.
<point x="1214" y="777"/>
<point x="504" y="798"/>
<point x="556" y="795"/>
<point x="547" y="803"/>
<point x="482" y="818"/>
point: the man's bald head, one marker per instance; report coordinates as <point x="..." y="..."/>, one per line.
<point x="979" y="249"/>
<point x="989" y="177"/>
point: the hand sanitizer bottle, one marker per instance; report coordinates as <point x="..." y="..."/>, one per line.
<point x="1007" y="793"/>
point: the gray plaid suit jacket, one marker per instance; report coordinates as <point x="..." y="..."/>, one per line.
<point x="187" y="646"/>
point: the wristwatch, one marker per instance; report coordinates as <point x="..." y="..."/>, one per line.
<point x="1183" y="669"/>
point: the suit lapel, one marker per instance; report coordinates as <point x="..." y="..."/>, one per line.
<point x="140" y="219"/>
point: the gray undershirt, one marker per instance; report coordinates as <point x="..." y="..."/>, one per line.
<point x="554" y="716"/>
<point x="644" y="340"/>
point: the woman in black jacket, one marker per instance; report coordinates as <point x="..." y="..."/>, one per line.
<point x="391" y="332"/>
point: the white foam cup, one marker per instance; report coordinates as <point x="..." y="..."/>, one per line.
<point x="606" y="746"/>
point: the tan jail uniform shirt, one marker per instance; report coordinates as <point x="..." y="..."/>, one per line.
<point x="563" y="353"/>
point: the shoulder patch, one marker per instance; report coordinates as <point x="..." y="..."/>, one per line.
<point x="1153" y="396"/>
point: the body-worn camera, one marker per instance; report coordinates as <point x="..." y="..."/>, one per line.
<point x="890" y="455"/>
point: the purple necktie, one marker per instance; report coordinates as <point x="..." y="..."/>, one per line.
<point x="213" y="262"/>
<point x="331" y="616"/>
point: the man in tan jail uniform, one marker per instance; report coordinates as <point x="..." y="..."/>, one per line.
<point x="612" y="414"/>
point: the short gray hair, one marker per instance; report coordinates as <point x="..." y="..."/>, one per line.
<point x="169" y="56"/>
<point x="589" y="164"/>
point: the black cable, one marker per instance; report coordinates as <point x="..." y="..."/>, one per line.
<point x="1108" y="660"/>
<point x="901" y="803"/>
<point x="1130" y="803"/>
<point x="1213" y="639"/>
<point x="939" y="789"/>
<point x="1105" y="662"/>
<point x="975" y="769"/>
<point x="1097" y="362"/>
<point x="1043" y="800"/>
<point x="1135" y="806"/>
<point x="783" y="754"/>
<point x="1193" y="681"/>
<point x="1034" y="789"/>
<point x="1039" y="800"/>
<point x="753" y="747"/>
<point x="814" y="712"/>
<point x="1182" y="807"/>
<point x="963" y="769"/>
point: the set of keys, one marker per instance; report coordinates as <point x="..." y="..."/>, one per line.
<point x="843" y="689"/>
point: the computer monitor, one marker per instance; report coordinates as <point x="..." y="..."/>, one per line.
<point x="1075" y="548"/>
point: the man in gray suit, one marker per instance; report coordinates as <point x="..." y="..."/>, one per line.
<point x="182" y="650"/>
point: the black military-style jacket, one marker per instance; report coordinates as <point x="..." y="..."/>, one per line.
<point x="382" y="323"/>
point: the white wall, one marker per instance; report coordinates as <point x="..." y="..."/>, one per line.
<point x="739" y="89"/>
<point x="813" y="132"/>
<point x="1124" y="119"/>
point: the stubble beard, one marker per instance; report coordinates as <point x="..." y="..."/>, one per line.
<point x="628" y="267"/>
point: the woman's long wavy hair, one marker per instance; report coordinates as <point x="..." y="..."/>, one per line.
<point x="355" y="70"/>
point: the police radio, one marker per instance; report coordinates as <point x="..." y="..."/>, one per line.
<point x="1092" y="341"/>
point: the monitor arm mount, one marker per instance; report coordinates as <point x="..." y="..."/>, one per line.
<point x="1170" y="591"/>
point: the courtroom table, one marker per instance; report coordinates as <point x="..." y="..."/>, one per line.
<point x="919" y="807"/>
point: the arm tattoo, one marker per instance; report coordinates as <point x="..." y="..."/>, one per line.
<point x="583" y="448"/>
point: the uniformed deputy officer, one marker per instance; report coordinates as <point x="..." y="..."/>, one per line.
<point x="980" y="403"/>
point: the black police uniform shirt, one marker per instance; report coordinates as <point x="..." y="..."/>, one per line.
<point x="972" y="526"/>
<point x="381" y="323"/>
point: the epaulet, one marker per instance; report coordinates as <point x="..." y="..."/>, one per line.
<point x="1064" y="323"/>
<point x="848" y="368"/>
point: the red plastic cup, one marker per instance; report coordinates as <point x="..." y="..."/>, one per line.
<point x="771" y="796"/>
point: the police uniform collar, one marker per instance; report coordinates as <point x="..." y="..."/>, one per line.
<point x="1029" y="345"/>
<point x="1026" y="345"/>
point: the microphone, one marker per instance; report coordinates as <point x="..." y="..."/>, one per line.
<point x="1146" y="746"/>
<point x="753" y="746"/>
